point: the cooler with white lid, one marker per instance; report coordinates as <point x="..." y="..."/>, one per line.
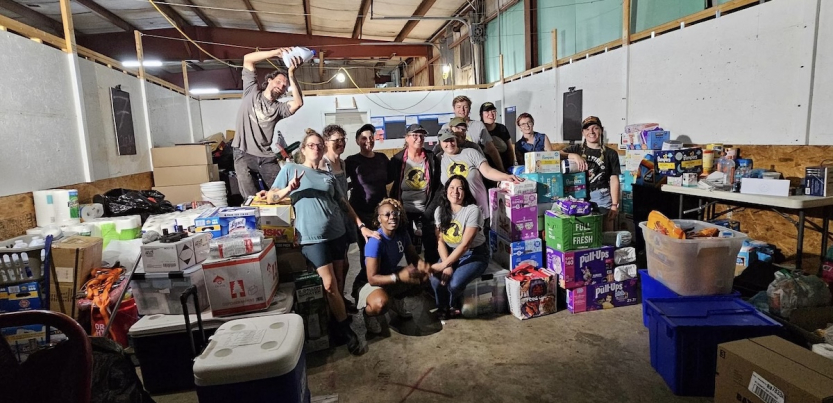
<point x="163" y="348"/>
<point x="254" y="360"/>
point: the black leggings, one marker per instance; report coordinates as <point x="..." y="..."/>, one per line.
<point x="428" y="238"/>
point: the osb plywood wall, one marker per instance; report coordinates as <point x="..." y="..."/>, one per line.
<point x="17" y="212"/>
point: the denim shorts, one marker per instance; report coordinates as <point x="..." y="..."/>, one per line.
<point x="602" y="199"/>
<point x="324" y="253"/>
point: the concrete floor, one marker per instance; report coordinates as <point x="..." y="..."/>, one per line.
<point x="600" y="356"/>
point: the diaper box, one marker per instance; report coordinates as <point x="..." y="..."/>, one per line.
<point x="512" y="254"/>
<point x="581" y="267"/>
<point x="542" y="162"/>
<point x="603" y="296"/>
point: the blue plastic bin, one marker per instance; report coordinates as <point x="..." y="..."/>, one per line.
<point x="653" y="288"/>
<point x="685" y="333"/>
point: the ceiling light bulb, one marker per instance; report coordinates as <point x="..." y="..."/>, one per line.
<point x="204" y="91"/>
<point x="146" y="63"/>
<point x="340" y="77"/>
<point x="446" y="68"/>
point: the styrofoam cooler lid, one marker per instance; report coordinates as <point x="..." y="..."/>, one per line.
<point x="152" y="325"/>
<point x="251" y="349"/>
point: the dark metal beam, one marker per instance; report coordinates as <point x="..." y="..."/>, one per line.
<point x="308" y="17"/>
<point x="205" y="20"/>
<point x="255" y="17"/>
<point x="56" y="27"/>
<point x="420" y="11"/>
<point x="531" y="33"/>
<point x="121" y="45"/>
<point x="194" y="66"/>
<point x="360" y="17"/>
<point x="107" y="15"/>
<point x="172" y="14"/>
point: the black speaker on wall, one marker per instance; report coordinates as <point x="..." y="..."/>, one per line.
<point x="571" y="126"/>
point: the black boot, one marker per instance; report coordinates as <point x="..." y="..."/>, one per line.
<point x="354" y="331"/>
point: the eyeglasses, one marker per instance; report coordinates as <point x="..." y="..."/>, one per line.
<point x="316" y="146"/>
<point x="526" y="124"/>
<point x="338" y="141"/>
<point x="417" y="135"/>
<point x="390" y="214"/>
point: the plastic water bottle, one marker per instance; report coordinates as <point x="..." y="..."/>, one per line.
<point x="727" y="166"/>
<point x="297" y="51"/>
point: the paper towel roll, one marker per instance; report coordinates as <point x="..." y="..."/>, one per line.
<point x="44" y="207"/>
<point x="61" y="201"/>
<point x="825" y="350"/>
<point x="92" y="211"/>
<point x="82" y="229"/>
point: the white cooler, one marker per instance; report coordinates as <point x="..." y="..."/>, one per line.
<point x="254" y="360"/>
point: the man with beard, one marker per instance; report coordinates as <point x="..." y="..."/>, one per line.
<point x="256" y="119"/>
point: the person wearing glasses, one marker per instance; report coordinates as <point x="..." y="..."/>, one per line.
<point x="384" y="283"/>
<point x="415" y="176"/>
<point x="460" y="128"/>
<point x="477" y="132"/>
<point x="319" y="224"/>
<point x="462" y="245"/>
<point x="368" y="173"/>
<point x="530" y="139"/>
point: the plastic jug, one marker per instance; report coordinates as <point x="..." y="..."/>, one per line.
<point x="297" y="51"/>
<point x="727" y="166"/>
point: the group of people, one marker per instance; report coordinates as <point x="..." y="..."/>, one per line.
<point x="437" y="200"/>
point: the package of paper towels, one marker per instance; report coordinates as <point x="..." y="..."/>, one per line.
<point x="122" y="228"/>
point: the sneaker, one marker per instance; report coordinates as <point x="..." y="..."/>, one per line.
<point x="373" y="325"/>
<point x="398" y="305"/>
<point x="355" y="332"/>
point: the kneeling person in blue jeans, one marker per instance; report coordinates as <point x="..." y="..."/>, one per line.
<point x="464" y="254"/>
<point x="384" y="281"/>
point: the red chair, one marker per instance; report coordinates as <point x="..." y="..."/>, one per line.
<point x="62" y="373"/>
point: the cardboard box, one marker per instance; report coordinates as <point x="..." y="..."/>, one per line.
<point x="533" y="296"/>
<point x="74" y="257"/>
<point x="653" y="139"/>
<point x="185" y="175"/>
<point x="819" y="181"/>
<point x="767" y="187"/>
<point x="159" y="257"/>
<point x="516" y="218"/>
<point x="176" y="156"/>
<point x="568" y="233"/>
<point x="512" y="254"/>
<point x="23" y="340"/>
<point x="518" y="188"/>
<point x="771" y="369"/>
<point x="647" y="174"/>
<point x="582" y="267"/>
<point x="677" y="162"/>
<point x="542" y="162"/>
<point x="242" y="284"/>
<point x="290" y="262"/>
<point x="603" y="296"/>
<point x="311" y="305"/>
<point x="180" y="194"/>
<point x="549" y="186"/>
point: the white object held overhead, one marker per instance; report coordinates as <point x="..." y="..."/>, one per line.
<point x="297" y="51"/>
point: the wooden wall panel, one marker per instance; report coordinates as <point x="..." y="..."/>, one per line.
<point x="17" y="212"/>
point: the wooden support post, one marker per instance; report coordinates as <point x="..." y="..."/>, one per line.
<point x="554" y="48"/>
<point x="77" y="90"/>
<point x="500" y="58"/>
<point x="140" y="54"/>
<point x="320" y="66"/>
<point x="626" y="22"/>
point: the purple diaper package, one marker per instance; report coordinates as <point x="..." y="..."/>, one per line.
<point x="581" y="267"/>
<point x="602" y="296"/>
<point x="573" y="206"/>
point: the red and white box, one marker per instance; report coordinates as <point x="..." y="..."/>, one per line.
<point x="243" y="283"/>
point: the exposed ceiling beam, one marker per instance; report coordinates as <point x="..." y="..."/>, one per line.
<point x="194" y="66"/>
<point x="308" y="17"/>
<point x="360" y="17"/>
<point x="254" y="15"/>
<point x="33" y="16"/>
<point x="172" y="14"/>
<point x="411" y="24"/>
<point x="107" y="15"/>
<point x="120" y="45"/>
<point x="457" y="13"/>
<point x="205" y="20"/>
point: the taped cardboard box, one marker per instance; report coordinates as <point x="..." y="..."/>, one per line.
<point x="531" y="295"/>
<point x="74" y="258"/>
<point x="770" y="369"/>
<point x="190" y="154"/>
<point x="185" y="175"/>
<point x="242" y="284"/>
<point x="180" y="194"/>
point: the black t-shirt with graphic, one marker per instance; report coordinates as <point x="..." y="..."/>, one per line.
<point x="501" y="139"/>
<point x="601" y="164"/>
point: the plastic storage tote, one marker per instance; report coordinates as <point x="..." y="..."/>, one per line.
<point x="254" y="360"/>
<point x="704" y="266"/>
<point x="486" y="295"/>
<point x="158" y="293"/>
<point x="685" y="333"/>
<point x="652" y="289"/>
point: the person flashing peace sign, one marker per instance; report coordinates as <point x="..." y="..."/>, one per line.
<point x="319" y="224"/>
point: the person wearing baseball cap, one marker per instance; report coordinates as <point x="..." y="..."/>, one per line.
<point x="459" y="128"/>
<point x="477" y="132"/>
<point x="415" y="177"/>
<point x="602" y="168"/>
<point x="500" y="134"/>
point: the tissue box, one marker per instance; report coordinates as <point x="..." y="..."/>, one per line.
<point x="602" y="296"/>
<point x="512" y="254"/>
<point x="542" y="162"/>
<point x="242" y="284"/>
<point x="567" y="233"/>
<point x="238" y="219"/>
<point x="819" y="181"/>
<point x="582" y="267"/>
<point x="311" y="305"/>
<point x="675" y="163"/>
<point x="653" y="139"/>
<point x="518" y="188"/>
<point x="531" y="296"/>
<point x="549" y="186"/>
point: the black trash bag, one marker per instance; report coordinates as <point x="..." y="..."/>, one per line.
<point x="122" y="202"/>
<point x="114" y="376"/>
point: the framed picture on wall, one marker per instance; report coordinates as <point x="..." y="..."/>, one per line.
<point x="123" y="121"/>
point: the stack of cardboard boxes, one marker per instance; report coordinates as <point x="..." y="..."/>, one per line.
<point x="545" y="170"/>
<point x="178" y="171"/>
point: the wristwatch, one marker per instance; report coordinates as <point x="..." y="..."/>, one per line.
<point x="362" y="226"/>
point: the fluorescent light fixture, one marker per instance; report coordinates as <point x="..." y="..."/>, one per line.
<point x="204" y="91"/>
<point x="146" y="63"/>
<point x="340" y="77"/>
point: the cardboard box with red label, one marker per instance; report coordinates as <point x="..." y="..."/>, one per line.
<point x="242" y="284"/>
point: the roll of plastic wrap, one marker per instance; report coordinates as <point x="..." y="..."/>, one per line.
<point x="825" y="350"/>
<point x="44" y="207"/>
<point x="92" y="211"/>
